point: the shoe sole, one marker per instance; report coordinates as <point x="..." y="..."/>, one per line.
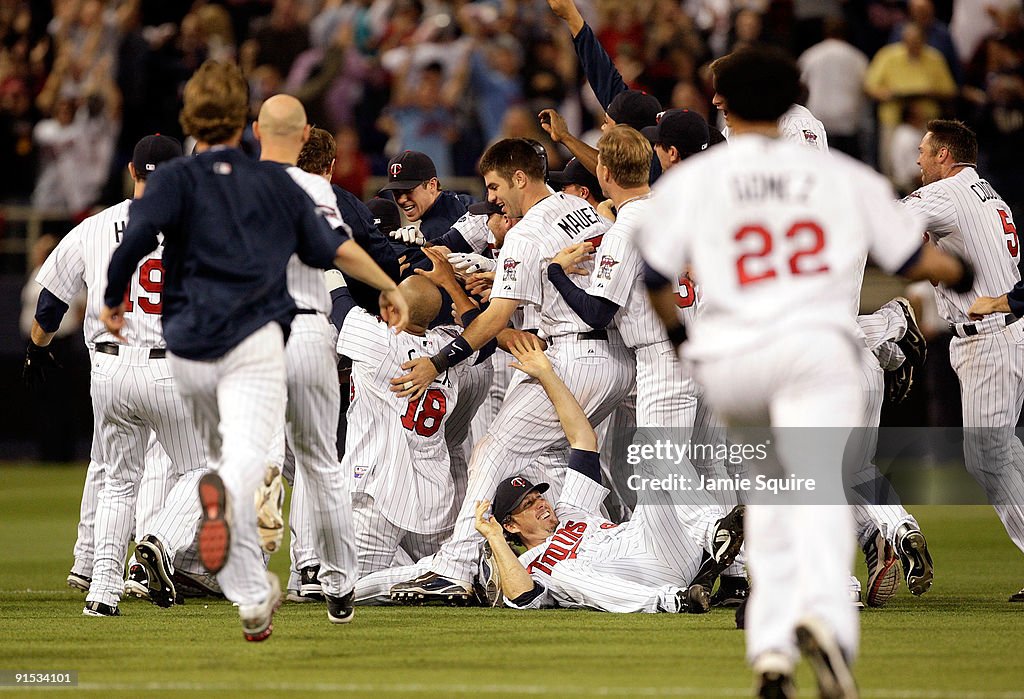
<point x="822" y="653"/>
<point x="299" y="598"/>
<point x="214" y="536"/>
<point x="341" y="619"/>
<point x="77" y="583"/>
<point x="133" y="588"/>
<point x="264" y="634"/>
<point x="919" y="343"/>
<point x="417" y="598"/>
<point x="773" y="685"/>
<point x="158" y="578"/>
<point x="1017" y="597"/>
<point x="312" y="591"/>
<point x="921" y="572"/>
<point x="883" y="586"/>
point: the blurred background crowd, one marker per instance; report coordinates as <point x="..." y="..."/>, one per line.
<point x="82" y="80"/>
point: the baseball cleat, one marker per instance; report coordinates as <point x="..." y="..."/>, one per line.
<point x="883" y="570"/>
<point x="431" y="587"/>
<point x="152" y="556"/>
<point x="196" y="584"/>
<point x="100" y="609"/>
<point x="727" y="540"/>
<point x="1017" y="596"/>
<point x="826" y="658"/>
<point x="258" y="619"/>
<point x="487" y="584"/>
<point x="214" y="534"/>
<point x="732" y="591"/>
<point x="296" y="596"/>
<point x="309" y="583"/>
<point x="913" y="342"/>
<point x="917" y="562"/>
<point x="135" y="585"/>
<point x="741" y="615"/>
<point x="78" y="581"/>
<point x="856" y="598"/>
<point x="269" y="502"/>
<point x="693" y="600"/>
<point x="773" y="677"/>
<point x="340" y="610"/>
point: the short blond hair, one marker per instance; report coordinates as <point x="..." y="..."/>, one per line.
<point x="627" y="154"/>
<point x="216" y="103"/>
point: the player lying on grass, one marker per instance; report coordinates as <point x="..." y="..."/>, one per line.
<point x="577" y="558"/>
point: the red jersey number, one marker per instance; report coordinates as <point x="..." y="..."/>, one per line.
<point x="805" y="240"/>
<point x="686" y="296"/>
<point x="151" y="279"/>
<point x="424" y="416"/>
<point x="1010" y="230"/>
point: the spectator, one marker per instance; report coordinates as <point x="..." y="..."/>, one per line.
<point x="971" y="23"/>
<point x="936" y="34"/>
<point x="329" y="77"/>
<point x="420" y="116"/>
<point x="351" y="167"/>
<point x="17" y="149"/>
<point x="907" y="71"/>
<point x="833" y="72"/>
<point x="494" y="81"/>
<point x="281" y="37"/>
<point x="906" y="175"/>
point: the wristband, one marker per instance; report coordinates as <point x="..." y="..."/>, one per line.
<point x="456" y="351"/>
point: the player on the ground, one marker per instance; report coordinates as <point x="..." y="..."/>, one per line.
<point x="966" y="215"/>
<point x="230" y="225"/>
<point x="650" y="564"/>
<point x="594" y="363"/>
<point x="775" y="232"/>
<point x="396" y="452"/>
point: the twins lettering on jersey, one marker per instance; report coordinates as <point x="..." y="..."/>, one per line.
<point x="564" y="545"/>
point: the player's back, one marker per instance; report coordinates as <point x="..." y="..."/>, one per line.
<point x="798" y="125"/>
<point x="305" y="283"/>
<point x="965" y="215"/>
<point x="395" y="448"/>
<point x="554" y="223"/>
<point x="776" y="233"/>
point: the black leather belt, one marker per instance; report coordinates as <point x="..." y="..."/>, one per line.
<point x="115" y="349"/>
<point x="306" y="312"/>
<point x="599" y="334"/>
<point x="971" y="329"/>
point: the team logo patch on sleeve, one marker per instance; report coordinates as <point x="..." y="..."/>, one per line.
<point x="510" y="270"/>
<point x="810" y="137"/>
<point x="605" y="267"/>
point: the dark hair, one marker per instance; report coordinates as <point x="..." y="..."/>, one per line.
<point x="955" y="137"/>
<point x="318" y="153"/>
<point x="216" y="103"/>
<point x="509" y="155"/>
<point x="758" y="83"/>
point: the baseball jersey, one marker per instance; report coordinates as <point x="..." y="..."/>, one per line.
<point x="80" y="261"/>
<point x="776" y="232"/>
<point x="395" y="448"/>
<point x="965" y="215"/>
<point x="555" y="222"/>
<point x="473" y="229"/>
<point x="305" y="283"/>
<point x="618" y="277"/>
<point x="799" y="126"/>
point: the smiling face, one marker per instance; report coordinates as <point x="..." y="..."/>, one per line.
<point x="721" y="106"/>
<point x="504" y="193"/>
<point x="415" y="202"/>
<point x="534" y="520"/>
<point x="931" y="160"/>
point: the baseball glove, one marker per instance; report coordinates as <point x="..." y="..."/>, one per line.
<point x="898" y="383"/>
<point x="269" y="501"/>
<point x="38" y="361"/>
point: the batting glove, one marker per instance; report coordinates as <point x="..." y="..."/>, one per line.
<point x="38" y="361"/>
<point x="334" y="279"/>
<point x="469" y="262"/>
<point x="410" y="235"/>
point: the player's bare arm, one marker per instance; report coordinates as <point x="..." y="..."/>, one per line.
<point x="420" y="373"/>
<point x="987" y="305"/>
<point x="515" y="581"/>
<point x="573" y="257"/>
<point x="566" y="11"/>
<point x="352" y="259"/>
<point x="531" y="360"/>
<point x="554" y="125"/>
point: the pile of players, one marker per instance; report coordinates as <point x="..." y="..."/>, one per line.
<point x="508" y="330"/>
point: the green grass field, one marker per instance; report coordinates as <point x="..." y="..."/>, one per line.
<point x="961" y="640"/>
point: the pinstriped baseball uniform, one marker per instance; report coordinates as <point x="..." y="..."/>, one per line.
<point x="311" y="416"/>
<point x="599" y="372"/>
<point x="967" y="216"/>
<point x="395" y="450"/>
<point x="132" y="395"/>
<point x="798" y="125"/>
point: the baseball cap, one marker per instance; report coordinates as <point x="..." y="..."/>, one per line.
<point x="150" y="151"/>
<point x="409" y="169"/>
<point x="575" y="173"/>
<point x="685" y="130"/>
<point x="510" y="494"/>
<point x="634" y="108"/>
<point x="484" y="208"/>
<point x="385" y="214"/>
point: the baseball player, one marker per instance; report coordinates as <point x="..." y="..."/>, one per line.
<point x="132" y="391"/>
<point x="412" y="180"/>
<point x="966" y="216"/>
<point x="775" y="345"/>
<point x="230" y="225"/>
<point x="577" y="558"/>
<point x="594" y="363"/>
<point x="396" y="451"/>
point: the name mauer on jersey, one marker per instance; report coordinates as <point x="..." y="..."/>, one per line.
<point x="575" y="222"/>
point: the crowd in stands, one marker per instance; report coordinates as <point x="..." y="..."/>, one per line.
<point x="83" y="80"/>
